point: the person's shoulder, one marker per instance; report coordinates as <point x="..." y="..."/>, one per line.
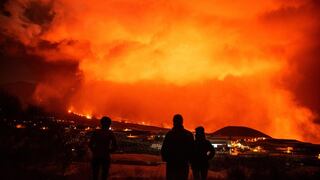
<point x="95" y="132"/>
<point x="208" y="142"/>
<point x="105" y="133"/>
<point x="188" y="133"/>
<point x="169" y="133"/>
<point x="110" y="133"/>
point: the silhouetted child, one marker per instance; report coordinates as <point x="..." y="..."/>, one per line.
<point x="102" y="143"/>
<point x="203" y="152"/>
<point x="177" y="150"/>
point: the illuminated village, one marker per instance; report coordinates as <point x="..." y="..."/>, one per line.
<point x="247" y="142"/>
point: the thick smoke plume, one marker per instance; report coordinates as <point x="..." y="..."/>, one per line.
<point x="216" y="62"/>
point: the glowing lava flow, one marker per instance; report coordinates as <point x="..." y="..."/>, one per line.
<point x="86" y="115"/>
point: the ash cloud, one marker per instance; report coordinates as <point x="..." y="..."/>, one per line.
<point x="304" y="74"/>
<point x="55" y="81"/>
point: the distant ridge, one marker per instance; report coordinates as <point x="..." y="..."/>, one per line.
<point x="238" y="131"/>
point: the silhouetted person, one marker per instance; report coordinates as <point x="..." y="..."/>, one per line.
<point x="203" y="152"/>
<point x="102" y="143"/>
<point x="177" y="150"/>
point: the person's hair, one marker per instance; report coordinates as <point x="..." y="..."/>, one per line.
<point x="105" y="122"/>
<point x="200" y="133"/>
<point x="200" y="130"/>
<point x="177" y="120"/>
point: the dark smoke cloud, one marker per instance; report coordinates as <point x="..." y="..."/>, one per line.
<point x="304" y="82"/>
<point x="306" y="85"/>
<point x="303" y="78"/>
<point x="39" y="13"/>
<point x="3" y="10"/>
<point x="55" y="81"/>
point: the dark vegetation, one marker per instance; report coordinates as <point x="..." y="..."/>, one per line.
<point x="31" y="152"/>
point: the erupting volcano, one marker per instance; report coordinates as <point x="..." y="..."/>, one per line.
<point x="218" y="63"/>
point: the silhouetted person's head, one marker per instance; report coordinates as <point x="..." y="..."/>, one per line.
<point x="105" y="122"/>
<point x="177" y="120"/>
<point x="200" y="133"/>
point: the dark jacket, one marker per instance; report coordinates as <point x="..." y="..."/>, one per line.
<point x="102" y="143"/>
<point x="177" y="147"/>
<point x="203" y="152"/>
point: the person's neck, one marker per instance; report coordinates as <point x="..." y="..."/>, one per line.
<point x="178" y="127"/>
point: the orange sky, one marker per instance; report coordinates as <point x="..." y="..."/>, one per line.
<point x="217" y="62"/>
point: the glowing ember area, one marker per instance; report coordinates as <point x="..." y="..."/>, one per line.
<point x="20" y="126"/>
<point x="86" y="115"/>
<point x="216" y="62"/>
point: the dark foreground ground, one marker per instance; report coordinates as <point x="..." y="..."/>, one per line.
<point x="144" y="166"/>
<point x="130" y="166"/>
<point x="124" y="166"/>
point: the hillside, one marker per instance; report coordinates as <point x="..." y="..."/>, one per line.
<point x="238" y="131"/>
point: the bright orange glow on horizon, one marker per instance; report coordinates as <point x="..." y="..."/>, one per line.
<point x="216" y="62"/>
